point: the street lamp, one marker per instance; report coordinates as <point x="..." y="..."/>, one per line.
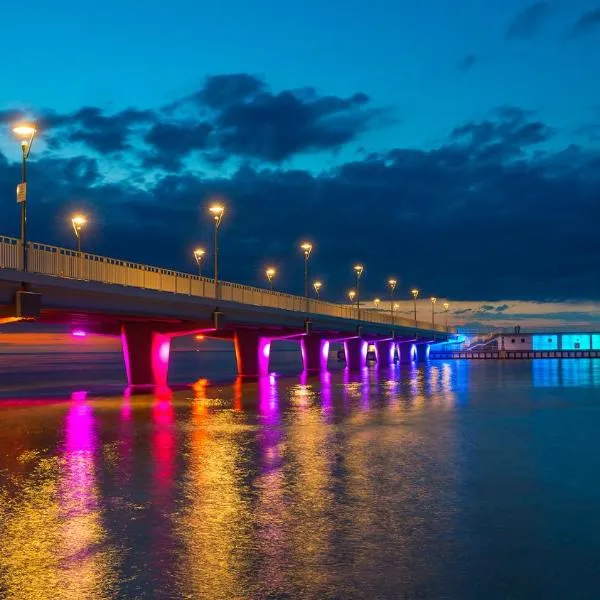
<point x="25" y="133"/>
<point x="270" y="273"/>
<point x="351" y="295"/>
<point x="78" y="222"/>
<point x="217" y="211"/>
<point x="377" y="302"/>
<point x="446" y="306"/>
<point x="306" y="247"/>
<point x="317" y="285"/>
<point x="392" y="285"/>
<point x="199" y="254"/>
<point x="358" y="269"/>
<point x="433" y="301"/>
<point x="415" y="295"/>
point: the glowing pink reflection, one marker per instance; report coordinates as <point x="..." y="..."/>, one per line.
<point x="79" y="333"/>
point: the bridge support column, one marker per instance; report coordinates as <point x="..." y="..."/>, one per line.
<point x="252" y="351"/>
<point x="408" y="352"/>
<point x="146" y="354"/>
<point x="386" y="350"/>
<point x="356" y="354"/>
<point x="423" y="352"/>
<point x="315" y="351"/>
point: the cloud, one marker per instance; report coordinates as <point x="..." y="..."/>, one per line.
<point x="252" y="122"/>
<point x="462" y="311"/>
<point x="235" y="116"/>
<point x="473" y="210"/>
<point x="587" y="22"/>
<point x="506" y="134"/>
<point x="529" y="22"/>
<point x="171" y="142"/>
<point x="467" y="62"/>
<point x="502" y="308"/>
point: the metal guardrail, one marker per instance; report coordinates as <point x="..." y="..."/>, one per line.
<point x="69" y="264"/>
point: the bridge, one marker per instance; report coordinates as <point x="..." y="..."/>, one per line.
<point x="148" y="306"/>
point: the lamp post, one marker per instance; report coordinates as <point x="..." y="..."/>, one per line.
<point x="317" y="285"/>
<point x="217" y="210"/>
<point x="199" y="254"/>
<point x="25" y="133"/>
<point x="415" y="295"/>
<point x="392" y="285"/>
<point x="351" y="296"/>
<point x="446" y="306"/>
<point x="78" y="222"/>
<point x="270" y="273"/>
<point x="433" y="301"/>
<point x="377" y="302"/>
<point x="358" y="269"/>
<point x="306" y="248"/>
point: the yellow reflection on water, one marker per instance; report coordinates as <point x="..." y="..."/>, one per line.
<point x="52" y="532"/>
<point x="214" y="523"/>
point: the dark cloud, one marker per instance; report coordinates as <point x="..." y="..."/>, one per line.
<point x="467" y="62"/>
<point x="587" y="22"/>
<point x="171" y="142"/>
<point x="486" y="308"/>
<point x="230" y="116"/>
<point x="529" y="21"/>
<point x="502" y="308"/>
<point x="462" y="311"/>
<point x="105" y="133"/>
<point x="472" y="213"/>
<point x="252" y="122"/>
<point x="505" y="135"/>
<point x="223" y="91"/>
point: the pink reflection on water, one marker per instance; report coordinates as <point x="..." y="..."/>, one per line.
<point x="326" y="402"/>
<point x="163" y="443"/>
<point x="271" y="506"/>
<point x="78" y="498"/>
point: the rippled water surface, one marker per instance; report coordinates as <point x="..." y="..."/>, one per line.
<point x="450" y="480"/>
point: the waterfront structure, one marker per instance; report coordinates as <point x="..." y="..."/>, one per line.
<point x="147" y="307"/>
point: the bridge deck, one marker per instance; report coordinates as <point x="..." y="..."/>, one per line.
<point x="69" y="265"/>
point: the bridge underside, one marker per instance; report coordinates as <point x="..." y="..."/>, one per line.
<point x="146" y="322"/>
<point x="146" y="344"/>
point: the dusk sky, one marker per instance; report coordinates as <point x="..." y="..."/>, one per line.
<point x="455" y="145"/>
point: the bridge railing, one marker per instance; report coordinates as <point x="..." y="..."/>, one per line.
<point x="9" y="253"/>
<point x="66" y="263"/>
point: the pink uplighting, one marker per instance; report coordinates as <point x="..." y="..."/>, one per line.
<point x="161" y="350"/>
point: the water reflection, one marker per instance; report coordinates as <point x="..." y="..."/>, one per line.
<point x="54" y="544"/>
<point x="334" y="485"/>
<point x="214" y="521"/>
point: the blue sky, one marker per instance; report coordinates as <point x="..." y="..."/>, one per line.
<point x="445" y="143"/>
<point x="404" y="54"/>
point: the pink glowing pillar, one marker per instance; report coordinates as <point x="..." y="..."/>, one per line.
<point x="356" y="353"/>
<point x="252" y="351"/>
<point x="315" y="352"/>
<point x="146" y="354"/>
<point x="385" y="351"/>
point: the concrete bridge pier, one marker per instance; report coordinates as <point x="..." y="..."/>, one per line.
<point x="355" y="350"/>
<point x="423" y="352"/>
<point x="386" y="350"/>
<point x="315" y="352"/>
<point x="408" y="352"/>
<point x="252" y="351"/>
<point x="146" y="354"/>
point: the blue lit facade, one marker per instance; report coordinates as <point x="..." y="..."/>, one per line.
<point x="575" y="341"/>
<point x="545" y="342"/>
